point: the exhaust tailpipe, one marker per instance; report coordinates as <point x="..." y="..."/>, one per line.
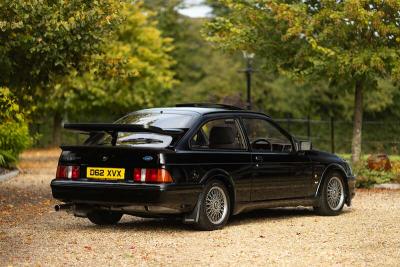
<point x="77" y="210"/>
<point x="63" y="207"/>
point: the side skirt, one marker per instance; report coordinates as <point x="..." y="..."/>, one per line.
<point x="248" y="206"/>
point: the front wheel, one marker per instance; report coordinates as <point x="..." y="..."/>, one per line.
<point x="104" y="217"/>
<point x="214" y="207"/>
<point x="332" y="197"/>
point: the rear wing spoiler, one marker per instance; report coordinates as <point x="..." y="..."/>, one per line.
<point x="115" y="128"/>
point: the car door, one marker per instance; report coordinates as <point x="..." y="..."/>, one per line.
<point x="220" y="144"/>
<point x="279" y="172"/>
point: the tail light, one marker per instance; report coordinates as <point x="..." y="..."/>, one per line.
<point x="68" y="172"/>
<point x="151" y="175"/>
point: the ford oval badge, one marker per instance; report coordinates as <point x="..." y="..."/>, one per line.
<point x="147" y="158"/>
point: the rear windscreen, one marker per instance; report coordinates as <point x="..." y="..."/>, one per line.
<point x="161" y="120"/>
<point x="138" y="140"/>
<point x="145" y="139"/>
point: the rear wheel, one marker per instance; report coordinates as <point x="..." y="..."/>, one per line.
<point x="104" y="217"/>
<point x="332" y="197"/>
<point x="214" y="207"/>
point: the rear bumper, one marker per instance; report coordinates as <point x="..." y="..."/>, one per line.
<point x="174" y="196"/>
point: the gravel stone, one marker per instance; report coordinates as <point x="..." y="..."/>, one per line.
<point x="31" y="233"/>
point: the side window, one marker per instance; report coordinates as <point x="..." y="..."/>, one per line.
<point x="219" y="134"/>
<point x="265" y="136"/>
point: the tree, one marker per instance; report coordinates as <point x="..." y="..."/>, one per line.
<point x="204" y="73"/>
<point x="45" y="40"/>
<point x="218" y="7"/>
<point x="134" y="71"/>
<point x="349" y="44"/>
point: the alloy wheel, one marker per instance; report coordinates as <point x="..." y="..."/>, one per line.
<point x="216" y="205"/>
<point x="335" y="193"/>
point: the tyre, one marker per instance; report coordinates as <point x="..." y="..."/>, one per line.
<point x="214" y="206"/>
<point x="333" y="195"/>
<point x="104" y="217"/>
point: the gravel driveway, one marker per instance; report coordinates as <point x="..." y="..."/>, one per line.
<point x="368" y="233"/>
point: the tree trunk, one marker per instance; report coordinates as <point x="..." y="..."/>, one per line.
<point x="57" y="121"/>
<point x="357" y="125"/>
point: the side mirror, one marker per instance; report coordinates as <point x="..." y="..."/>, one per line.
<point x="305" y="145"/>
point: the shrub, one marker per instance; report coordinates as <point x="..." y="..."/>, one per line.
<point x="366" y="178"/>
<point x="7" y="159"/>
<point x="14" y="133"/>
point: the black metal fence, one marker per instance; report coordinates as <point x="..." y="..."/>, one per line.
<point x="336" y="136"/>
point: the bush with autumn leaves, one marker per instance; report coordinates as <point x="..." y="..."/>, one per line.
<point x="370" y="172"/>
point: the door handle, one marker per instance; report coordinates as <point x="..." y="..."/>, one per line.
<point x="259" y="158"/>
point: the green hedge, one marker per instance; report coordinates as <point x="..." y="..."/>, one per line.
<point x="14" y="133"/>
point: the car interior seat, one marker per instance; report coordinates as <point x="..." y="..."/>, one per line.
<point x="223" y="137"/>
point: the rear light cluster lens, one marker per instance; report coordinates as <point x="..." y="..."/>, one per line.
<point x="142" y="175"/>
<point x="68" y="172"/>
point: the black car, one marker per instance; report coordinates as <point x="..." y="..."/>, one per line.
<point x="200" y="162"/>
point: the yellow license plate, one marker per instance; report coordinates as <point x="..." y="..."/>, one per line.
<point x="105" y="173"/>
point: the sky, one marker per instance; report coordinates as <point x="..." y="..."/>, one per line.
<point x="195" y="9"/>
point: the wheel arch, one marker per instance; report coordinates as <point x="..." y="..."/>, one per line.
<point x="226" y="179"/>
<point x="331" y="168"/>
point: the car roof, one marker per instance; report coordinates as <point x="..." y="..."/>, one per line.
<point x="198" y="110"/>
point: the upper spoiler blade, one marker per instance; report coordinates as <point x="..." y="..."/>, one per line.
<point x="112" y="127"/>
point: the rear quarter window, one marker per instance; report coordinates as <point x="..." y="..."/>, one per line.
<point x="223" y="134"/>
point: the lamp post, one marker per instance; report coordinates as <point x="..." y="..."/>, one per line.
<point x="248" y="71"/>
